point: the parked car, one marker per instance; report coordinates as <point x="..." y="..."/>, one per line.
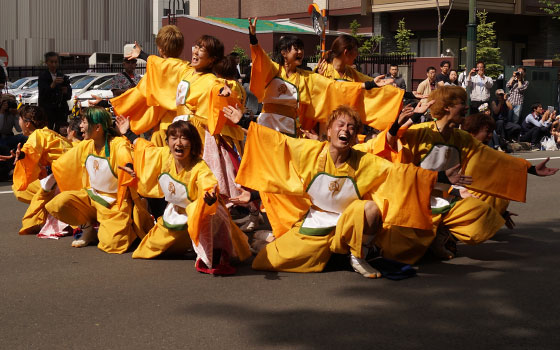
<point x="103" y="91"/>
<point x="20" y="86"/>
<point x="79" y="82"/>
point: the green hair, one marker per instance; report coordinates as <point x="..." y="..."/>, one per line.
<point x="99" y="115"/>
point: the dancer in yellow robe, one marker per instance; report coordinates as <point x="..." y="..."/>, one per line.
<point x="350" y="194"/>
<point x="31" y="182"/>
<point x="95" y="187"/>
<point x="193" y="213"/>
<point x="440" y="146"/>
<point x="293" y="97"/>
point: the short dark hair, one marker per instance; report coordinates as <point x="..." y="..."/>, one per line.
<point x="34" y="115"/>
<point x="74" y="125"/>
<point x="535" y="106"/>
<point x="393" y="65"/>
<point x="183" y="128"/>
<point x="475" y="122"/>
<point x="286" y="42"/>
<point x="50" y="54"/>
<point x="480" y="62"/>
<point x="444" y="62"/>
<point x="430" y="68"/>
<point x="522" y="68"/>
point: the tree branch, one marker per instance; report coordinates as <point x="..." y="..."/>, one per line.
<point x="448" y="10"/>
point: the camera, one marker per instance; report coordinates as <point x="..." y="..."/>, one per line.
<point x="517" y="74"/>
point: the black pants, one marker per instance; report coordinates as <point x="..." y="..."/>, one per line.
<point x="507" y="130"/>
<point x="535" y="135"/>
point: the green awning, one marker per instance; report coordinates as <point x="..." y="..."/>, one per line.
<point x="262" y="25"/>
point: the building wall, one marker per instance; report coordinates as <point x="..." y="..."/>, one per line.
<point x="29" y="28"/>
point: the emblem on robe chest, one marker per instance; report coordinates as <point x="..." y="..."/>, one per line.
<point x="171" y="188"/>
<point x="95" y="165"/>
<point x="334" y="187"/>
<point x="282" y="89"/>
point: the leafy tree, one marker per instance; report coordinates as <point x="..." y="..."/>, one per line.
<point x="242" y="55"/>
<point x="486" y="50"/>
<point x="403" y="38"/>
<point x="552" y="7"/>
<point x="367" y="46"/>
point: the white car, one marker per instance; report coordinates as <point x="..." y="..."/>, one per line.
<point x="18" y="87"/>
<point x="78" y="81"/>
<point x="103" y="91"/>
<point x="91" y="82"/>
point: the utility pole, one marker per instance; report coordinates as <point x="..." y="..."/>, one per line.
<point x="471" y="36"/>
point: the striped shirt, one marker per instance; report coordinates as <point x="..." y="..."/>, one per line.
<point x="516" y="93"/>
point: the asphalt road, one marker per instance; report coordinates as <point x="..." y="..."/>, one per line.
<point x="502" y="294"/>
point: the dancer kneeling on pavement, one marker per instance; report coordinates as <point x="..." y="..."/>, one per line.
<point x="351" y="193"/>
<point x="194" y="212"/>
<point x="96" y="188"/>
<point x="42" y="147"/>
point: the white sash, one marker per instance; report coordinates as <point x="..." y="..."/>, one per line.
<point x="175" y="191"/>
<point x="48" y="183"/>
<point x="101" y="175"/>
<point x="441" y="157"/>
<point x="182" y="92"/>
<point x="281" y="92"/>
<point x="278" y="122"/>
<point x="330" y="195"/>
<point x="174" y="217"/>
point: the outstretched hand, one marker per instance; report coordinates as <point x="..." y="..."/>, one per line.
<point x="543" y="170"/>
<point x="15" y="155"/>
<point x="253" y="25"/>
<point x="322" y="66"/>
<point x="234" y="114"/>
<point x="95" y="101"/>
<point x="243" y="198"/>
<point x="211" y="196"/>
<point x="310" y="134"/>
<point x="380" y="80"/>
<point x="405" y="114"/>
<point x="422" y="107"/>
<point x="135" y="51"/>
<point x="123" y="124"/>
<point x="130" y="171"/>
<point x="456" y="177"/>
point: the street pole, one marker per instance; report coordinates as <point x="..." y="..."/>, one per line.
<point x="471" y="36"/>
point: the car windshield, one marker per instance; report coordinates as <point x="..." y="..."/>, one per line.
<point x="105" y="85"/>
<point x="75" y="78"/>
<point x="80" y="84"/>
<point x="34" y="85"/>
<point x="30" y="83"/>
<point x="17" y="83"/>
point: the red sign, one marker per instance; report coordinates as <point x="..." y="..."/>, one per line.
<point x="4" y="56"/>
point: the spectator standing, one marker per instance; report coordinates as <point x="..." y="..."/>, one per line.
<point x="500" y="111"/>
<point x="443" y="76"/>
<point x="517" y="86"/>
<point x="427" y="86"/>
<point x="398" y="80"/>
<point x="127" y="79"/>
<point x="54" y="92"/>
<point x="478" y="86"/>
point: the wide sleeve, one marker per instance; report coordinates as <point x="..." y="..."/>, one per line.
<point x="148" y="102"/>
<point x="27" y="169"/>
<point x="148" y="164"/>
<point x="201" y="181"/>
<point x="493" y="172"/>
<point x="123" y="154"/>
<point x="215" y="114"/>
<point x="271" y="162"/>
<point x="406" y="196"/>
<point x="263" y="70"/>
<point x="377" y="107"/>
<point x="71" y="162"/>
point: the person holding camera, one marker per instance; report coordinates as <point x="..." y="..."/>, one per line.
<point x="54" y="91"/>
<point x="537" y="125"/>
<point x="517" y="86"/>
<point x="478" y="86"/>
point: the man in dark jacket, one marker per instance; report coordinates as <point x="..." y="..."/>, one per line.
<point x="54" y="91"/>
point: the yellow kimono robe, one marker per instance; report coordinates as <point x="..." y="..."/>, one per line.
<point x="276" y="163"/>
<point x="82" y="201"/>
<point x="318" y="96"/>
<point x="470" y="220"/>
<point x="42" y="147"/>
<point x="350" y="74"/>
<point x="150" y="164"/>
<point x="151" y="103"/>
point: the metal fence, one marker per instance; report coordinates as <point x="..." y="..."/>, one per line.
<point x="15" y="73"/>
